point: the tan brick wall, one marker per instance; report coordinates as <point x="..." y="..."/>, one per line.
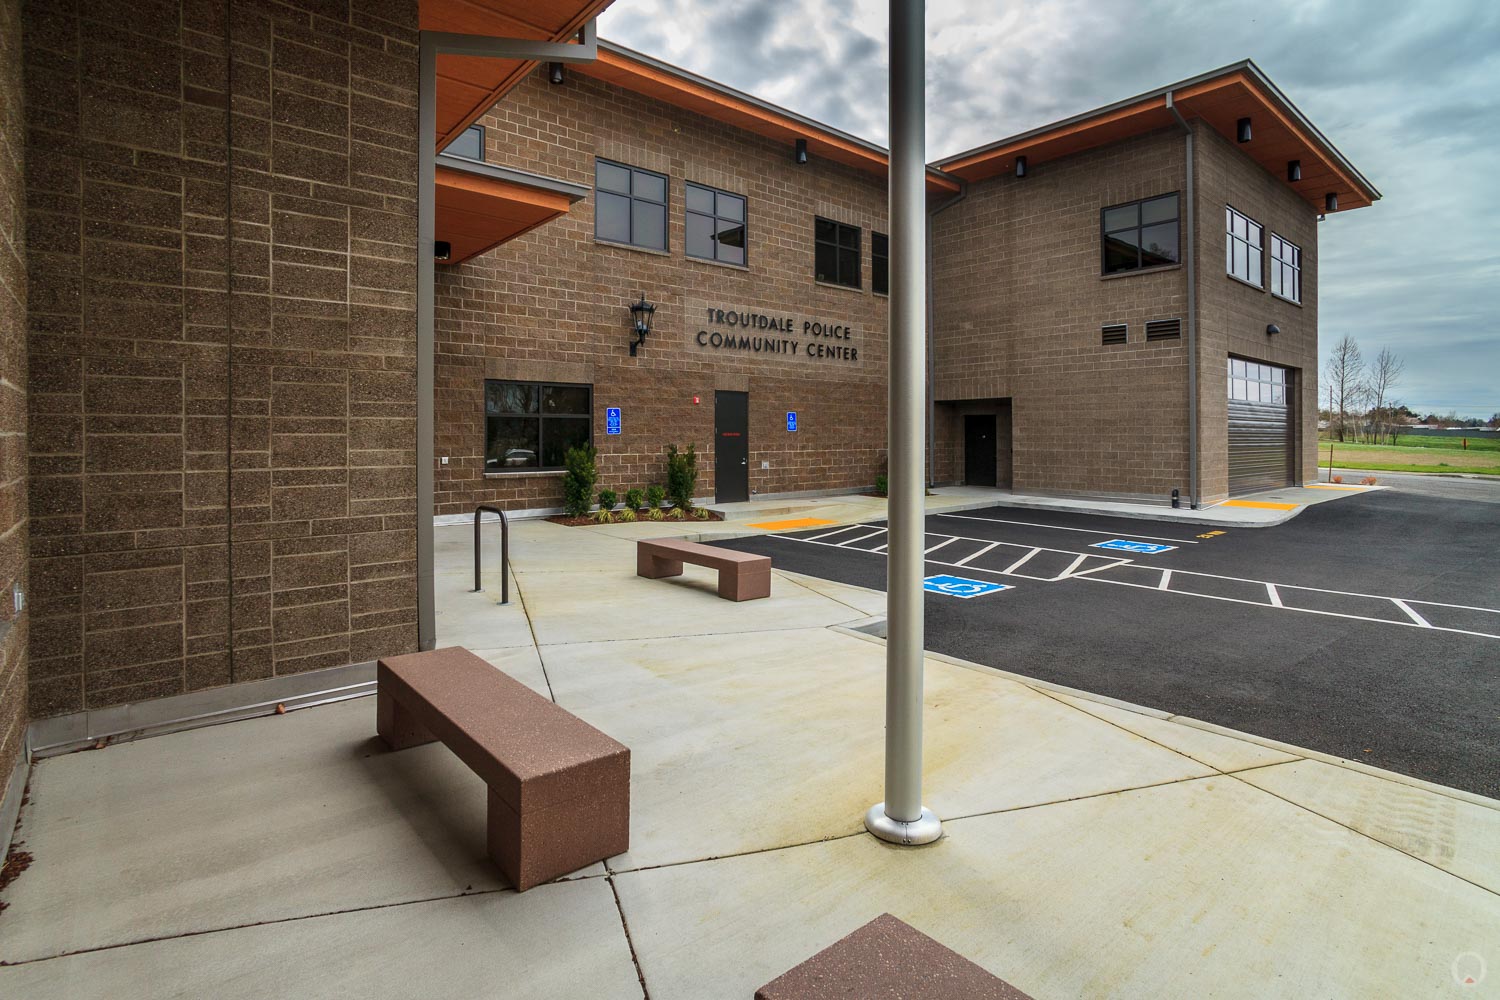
<point x="160" y="360"/>
<point x="13" y="624"/>
<point x="1233" y="316"/>
<point x="1018" y="304"/>
<point x="554" y="305"/>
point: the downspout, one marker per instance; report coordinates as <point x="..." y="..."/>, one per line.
<point x="963" y="192"/>
<point x="1192" y="308"/>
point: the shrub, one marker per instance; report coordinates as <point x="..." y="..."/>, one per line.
<point x="700" y="514"/>
<point x="677" y="513"/>
<point x="1367" y="481"/>
<point x="635" y="499"/>
<point x="603" y="516"/>
<point x="627" y="515"/>
<point x="654" y="514"/>
<point x="682" y="476"/>
<point x="881" y="484"/>
<point x="579" y="480"/>
<point x="654" y="496"/>
<point x="607" y="499"/>
<point x="1337" y="479"/>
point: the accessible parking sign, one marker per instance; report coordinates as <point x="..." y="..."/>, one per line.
<point x="958" y="586"/>
<point x="1140" y="548"/>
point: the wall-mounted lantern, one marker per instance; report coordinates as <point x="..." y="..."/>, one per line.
<point x="441" y="250"/>
<point x="640" y="316"/>
<point x="1293" y="170"/>
<point x="1020" y="166"/>
<point x="555" y="72"/>
<point x="1272" y="329"/>
<point x="1242" y="130"/>
<point x="1330" y="202"/>
<point x="801" y="155"/>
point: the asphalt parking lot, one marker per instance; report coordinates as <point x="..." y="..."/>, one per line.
<point x="1367" y="628"/>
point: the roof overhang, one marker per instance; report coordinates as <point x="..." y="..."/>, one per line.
<point x="1280" y="134"/>
<point x="675" y="86"/>
<point x="480" y="206"/>
<point x="468" y="86"/>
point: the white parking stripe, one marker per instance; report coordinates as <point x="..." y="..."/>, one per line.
<point x="1058" y="527"/>
<point x="878" y="549"/>
<point x="1100" y="569"/>
<point x="835" y="531"/>
<point x="965" y="560"/>
<point x="1166" y="580"/>
<point x="1275" y="597"/>
<point x="1414" y="616"/>
<point x="1071" y="567"/>
<point x="851" y="541"/>
<point x="1021" y="561"/>
<point x="949" y="540"/>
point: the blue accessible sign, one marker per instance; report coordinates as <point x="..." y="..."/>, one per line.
<point x="791" y="420"/>
<point x="958" y="586"/>
<point x="1140" y="548"/>
<point x="612" y="420"/>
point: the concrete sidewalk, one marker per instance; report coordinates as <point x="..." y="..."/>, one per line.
<point x="1091" y="849"/>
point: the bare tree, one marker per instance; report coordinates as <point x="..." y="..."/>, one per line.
<point x="1385" y="375"/>
<point x="1344" y="372"/>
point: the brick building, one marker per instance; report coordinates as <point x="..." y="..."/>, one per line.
<point x="234" y="393"/>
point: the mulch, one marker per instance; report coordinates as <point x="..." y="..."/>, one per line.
<point x="588" y="520"/>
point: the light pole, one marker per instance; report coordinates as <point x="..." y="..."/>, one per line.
<point x="901" y="819"/>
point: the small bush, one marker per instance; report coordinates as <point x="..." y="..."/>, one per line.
<point x="1367" y="481"/>
<point x="682" y="476"/>
<point x="626" y="516"/>
<point x="635" y="499"/>
<point x="654" y="496"/>
<point x="603" y="516"/>
<point x="677" y="513"/>
<point x="607" y="499"/>
<point x="655" y="514"/>
<point x="1336" y="479"/>
<point x="881" y="484"/>
<point x="579" y="480"/>
<point x="700" y="514"/>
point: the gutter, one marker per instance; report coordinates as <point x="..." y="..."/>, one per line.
<point x="1191" y="265"/>
<point x="963" y="192"/>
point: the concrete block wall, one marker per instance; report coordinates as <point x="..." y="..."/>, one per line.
<point x="553" y="305"/>
<point x="221" y="341"/>
<point x="13" y="519"/>
<point x="1019" y="300"/>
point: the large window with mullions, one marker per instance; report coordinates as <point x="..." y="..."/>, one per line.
<point x="529" y="426"/>
<point x="836" y="252"/>
<point x="630" y="205"/>
<point x="715" y="224"/>
<point x="1140" y="234"/>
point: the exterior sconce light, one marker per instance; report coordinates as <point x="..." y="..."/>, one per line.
<point x="1330" y="202"/>
<point x="801" y="156"/>
<point x="1293" y="170"/>
<point x="640" y="315"/>
<point x="1020" y="166"/>
<point x="441" y="250"/>
<point x="1242" y="129"/>
<point x="555" y="72"/>
<point x="1272" y="329"/>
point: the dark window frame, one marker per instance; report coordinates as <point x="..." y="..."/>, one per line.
<point x="716" y="219"/>
<point x="1269" y="384"/>
<point x="448" y="149"/>
<point x="1294" y="265"/>
<point x="880" y="264"/>
<point x="1139" y="227"/>
<point x="1258" y="247"/>
<point x="633" y="198"/>
<point x="541" y="417"/>
<point x="839" y="245"/>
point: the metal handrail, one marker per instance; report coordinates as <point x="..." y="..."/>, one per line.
<point x="504" y="551"/>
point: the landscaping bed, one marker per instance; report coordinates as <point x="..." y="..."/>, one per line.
<point x="588" y="520"/>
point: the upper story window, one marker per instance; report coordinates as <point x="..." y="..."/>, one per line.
<point x="715" y="224"/>
<point x="469" y="143"/>
<point x="1140" y="234"/>
<point x="531" y="425"/>
<point x="880" y="263"/>
<point x="836" y="253"/>
<point x="1242" y="246"/>
<point x="630" y="205"/>
<point x="1286" y="269"/>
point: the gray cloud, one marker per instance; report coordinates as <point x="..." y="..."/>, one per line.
<point x="1406" y="91"/>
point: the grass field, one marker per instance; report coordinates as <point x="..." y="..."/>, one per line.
<point x="1418" y="454"/>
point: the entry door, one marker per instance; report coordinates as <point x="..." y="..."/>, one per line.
<point x="731" y="447"/>
<point x="979" y="449"/>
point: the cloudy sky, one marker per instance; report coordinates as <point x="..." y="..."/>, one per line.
<point x="1409" y="92"/>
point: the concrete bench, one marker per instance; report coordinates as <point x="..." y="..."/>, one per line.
<point x="559" y="789"/>
<point x="888" y="959"/>
<point x="743" y="576"/>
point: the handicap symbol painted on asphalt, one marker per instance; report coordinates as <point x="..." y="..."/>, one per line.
<point x="958" y="586"/>
<point x="1140" y="548"/>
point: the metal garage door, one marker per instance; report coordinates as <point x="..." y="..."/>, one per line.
<point x="1260" y="426"/>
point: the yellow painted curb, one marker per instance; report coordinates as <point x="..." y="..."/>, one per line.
<point x="1260" y="504"/>
<point x="800" y="522"/>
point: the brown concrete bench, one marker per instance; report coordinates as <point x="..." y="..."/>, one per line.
<point x="887" y="959"/>
<point x="559" y="788"/>
<point x="743" y="576"/>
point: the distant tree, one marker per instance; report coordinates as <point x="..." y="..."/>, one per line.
<point x="1494" y="422"/>
<point x="1344" y="374"/>
<point x="1385" y="375"/>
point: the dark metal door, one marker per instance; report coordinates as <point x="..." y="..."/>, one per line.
<point x="731" y="447"/>
<point x="1260" y="427"/>
<point x="979" y="449"/>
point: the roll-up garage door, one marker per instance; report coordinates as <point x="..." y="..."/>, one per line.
<point x="1260" y="427"/>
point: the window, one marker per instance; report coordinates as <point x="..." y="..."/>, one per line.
<point x="469" y="143"/>
<point x="531" y="425"/>
<point x="1286" y="269"/>
<point x="880" y="264"/>
<point x="837" y="252"/>
<point x="715" y="224"/>
<point x="1140" y="234"/>
<point x="1242" y="248"/>
<point x="630" y="205"/>
<point x="1250" y="382"/>
<point x="1113" y="334"/>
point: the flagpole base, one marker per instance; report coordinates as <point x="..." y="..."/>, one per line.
<point x="924" y="830"/>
